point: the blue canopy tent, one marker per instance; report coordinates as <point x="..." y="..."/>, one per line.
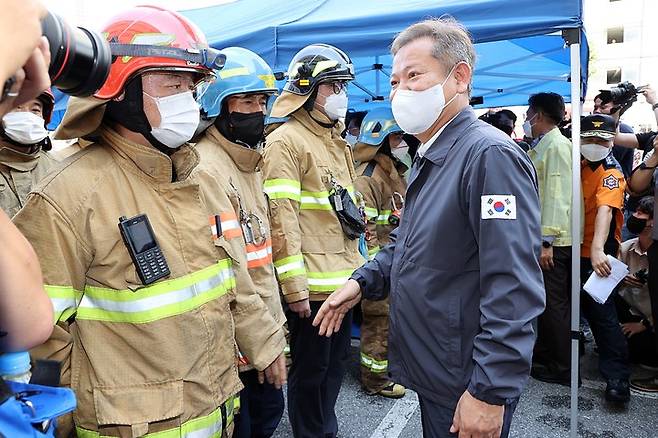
<point x="520" y="49"/>
<point x="519" y="46"/>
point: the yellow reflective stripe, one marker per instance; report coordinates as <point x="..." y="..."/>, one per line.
<point x="371" y="213"/>
<point x="65" y="300"/>
<point x="208" y="426"/>
<point x="374" y="365"/>
<point x="327" y="281"/>
<point x="233" y="72"/>
<point x="283" y="188"/>
<point x="315" y="200"/>
<point x="290" y="267"/>
<point x="162" y="300"/>
<point x="382" y="219"/>
<point x="373" y="251"/>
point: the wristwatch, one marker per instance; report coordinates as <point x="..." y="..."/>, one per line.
<point x="643" y="166"/>
<point x="546" y="244"/>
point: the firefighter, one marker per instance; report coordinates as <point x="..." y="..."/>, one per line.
<point x="230" y="149"/>
<point x="143" y="288"/>
<point x="308" y="169"/>
<point x="381" y="183"/>
<point x="24" y="146"/>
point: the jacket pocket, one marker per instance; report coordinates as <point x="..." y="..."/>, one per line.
<point x="139" y="404"/>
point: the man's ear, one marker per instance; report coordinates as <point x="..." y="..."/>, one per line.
<point x="463" y="74"/>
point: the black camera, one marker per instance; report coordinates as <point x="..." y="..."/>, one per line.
<point x="622" y="96"/>
<point x="80" y="59"/>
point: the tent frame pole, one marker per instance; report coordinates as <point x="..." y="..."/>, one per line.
<point x="572" y="36"/>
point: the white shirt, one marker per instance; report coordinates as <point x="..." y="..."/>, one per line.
<point x="425" y="146"/>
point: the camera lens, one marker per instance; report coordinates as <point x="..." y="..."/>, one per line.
<point x="80" y="60"/>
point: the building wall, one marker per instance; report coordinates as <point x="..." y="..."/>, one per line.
<point x="636" y="56"/>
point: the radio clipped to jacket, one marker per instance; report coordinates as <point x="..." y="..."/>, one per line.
<point x="349" y="216"/>
<point x="143" y="248"/>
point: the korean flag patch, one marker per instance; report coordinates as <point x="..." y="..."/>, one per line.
<point x="498" y="207"/>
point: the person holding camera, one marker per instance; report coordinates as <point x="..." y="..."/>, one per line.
<point x="143" y="284"/>
<point x="25" y="310"/>
<point x="633" y="302"/>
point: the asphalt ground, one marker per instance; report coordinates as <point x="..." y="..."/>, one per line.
<point x="543" y="412"/>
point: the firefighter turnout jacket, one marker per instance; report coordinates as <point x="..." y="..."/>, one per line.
<point x="312" y="255"/>
<point x="142" y="359"/>
<point x="245" y="225"/>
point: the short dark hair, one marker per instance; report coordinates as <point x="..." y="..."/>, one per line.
<point x="646" y="206"/>
<point x="550" y="104"/>
<point x="604" y="97"/>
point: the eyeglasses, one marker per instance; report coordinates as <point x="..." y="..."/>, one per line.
<point x="339" y="86"/>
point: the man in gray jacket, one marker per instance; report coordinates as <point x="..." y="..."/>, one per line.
<point x="461" y="271"/>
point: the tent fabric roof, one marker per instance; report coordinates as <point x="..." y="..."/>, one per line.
<point x="277" y="30"/>
<point x="518" y="43"/>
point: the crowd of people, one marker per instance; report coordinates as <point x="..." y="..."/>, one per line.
<point x="251" y="221"/>
<point x="618" y="221"/>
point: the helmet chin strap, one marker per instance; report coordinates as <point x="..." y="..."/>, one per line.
<point x="309" y="106"/>
<point x="129" y="113"/>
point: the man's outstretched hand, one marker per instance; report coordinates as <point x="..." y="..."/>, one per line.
<point x="333" y="310"/>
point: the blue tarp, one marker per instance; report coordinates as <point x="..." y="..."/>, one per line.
<point x="520" y="50"/>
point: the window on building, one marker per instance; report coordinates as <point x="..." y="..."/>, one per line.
<point x="615" y="35"/>
<point x="614" y="76"/>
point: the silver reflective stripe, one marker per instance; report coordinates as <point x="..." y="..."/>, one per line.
<point x="150" y="303"/>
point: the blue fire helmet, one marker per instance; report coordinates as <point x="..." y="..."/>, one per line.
<point x="244" y="73"/>
<point x="377" y="125"/>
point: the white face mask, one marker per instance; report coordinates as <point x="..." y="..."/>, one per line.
<point x="351" y="139"/>
<point x="594" y="152"/>
<point x="179" y="118"/>
<point x="24" y="127"/>
<point x="527" y="127"/>
<point x="401" y="151"/>
<point x="416" y="111"/>
<point x="335" y="106"/>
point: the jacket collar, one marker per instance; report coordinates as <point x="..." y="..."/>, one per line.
<point x="150" y="161"/>
<point x="20" y="161"/>
<point x="307" y="121"/>
<point x="246" y="159"/>
<point x="438" y="151"/>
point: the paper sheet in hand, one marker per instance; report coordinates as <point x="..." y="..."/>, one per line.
<point x="600" y="288"/>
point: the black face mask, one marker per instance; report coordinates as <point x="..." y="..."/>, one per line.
<point x="636" y="225"/>
<point x="247" y="128"/>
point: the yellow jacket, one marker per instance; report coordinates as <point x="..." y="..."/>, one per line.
<point x="380" y="181"/>
<point x="141" y="359"/>
<point x="18" y="173"/>
<point x="311" y="253"/>
<point x="236" y="170"/>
